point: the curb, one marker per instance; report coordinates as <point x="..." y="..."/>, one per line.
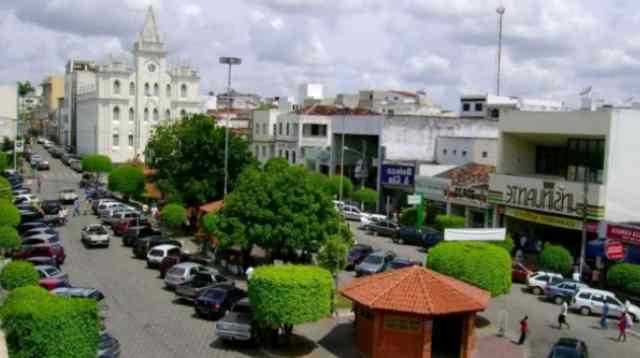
<point x="634" y="333"/>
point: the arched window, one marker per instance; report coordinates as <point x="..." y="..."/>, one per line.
<point x="156" y="115"/>
<point x="116" y="113"/>
<point x="132" y="89"/>
<point x="183" y="113"/>
<point x="168" y="90"/>
<point x="116" y="138"/>
<point x="167" y="115"/>
<point x="130" y="139"/>
<point x="132" y="115"/>
<point x="146" y="114"/>
<point x="183" y="91"/>
<point x="147" y="89"/>
<point x="116" y="87"/>
<point x="156" y="90"/>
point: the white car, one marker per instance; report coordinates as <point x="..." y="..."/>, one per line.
<point x="35" y="159"/>
<point x="351" y="212"/>
<point x="67" y="195"/>
<point x="95" y="235"/>
<point x="158" y="253"/>
<point x="589" y="301"/>
<point x="366" y="218"/>
<point x="26" y="199"/>
<point x="538" y="282"/>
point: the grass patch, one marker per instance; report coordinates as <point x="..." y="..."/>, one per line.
<point x="342" y="302"/>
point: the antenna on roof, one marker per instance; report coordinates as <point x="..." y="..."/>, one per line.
<point x="628" y="100"/>
<point x="585" y="91"/>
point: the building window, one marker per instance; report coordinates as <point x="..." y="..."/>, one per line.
<point x="256" y="130"/>
<point x="116" y="87"/>
<point x="286" y="155"/>
<point x="551" y="160"/>
<point x="288" y="128"/>
<point x="132" y="89"/>
<point x="146" y="114"/>
<point x="280" y="153"/>
<point x="167" y="115"/>
<point x="116" y="139"/>
<point x="583" y="154"/>
<point x="264" y="150"/>
<point x="183" y="113"/>
<point x="132" y="115"/>
<point x="295" y="129"/>
<point x="183" y="91"/>
<point x="147" y="89"/>
<point x="131" y="140"/>
<point x="455" y="152"/>
<point x="293" y="157"/>
<point x="156" y="90"/>
<point x="116" y="114"/>
<point x="466" y="107"/>
<point x="274" y="130"/>
<point x="156" y="115"/>
<point x="264" y="129"/>
<point x="168" y="91"/>
<point x="478" y="107"/>
<point x="279" y="128"/>
<point x="495" y="113"/>
<point x="485" y="154"/>
<point x="464" y="153"/>
<point x="314" y="130"/>
<point x="444" y="152"/>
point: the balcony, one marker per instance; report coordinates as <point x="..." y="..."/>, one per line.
<point x="548" y="194"/>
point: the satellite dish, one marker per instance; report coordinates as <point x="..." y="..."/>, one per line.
<point x="586" y="91"/>
<point x="628" y="100"/>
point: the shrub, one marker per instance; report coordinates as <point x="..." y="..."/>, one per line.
<point x="173" y="215"/>
<point x="290" y="294"/>
<point x="480" y="264"/>
<point x="96" y="163"/>
<point x="9" y="239"/>
<point x="625" y="277"/>
<point x="9" y="214"/>
<point x="555" y="258"/>
<point x="408" y="216"/>
<point x="5" y="189"/>
<point x="449" y="222"/>
<point x="507" y="244"/>
<point x="333" y="254"/>
<point x="365" y="196"/>
<point x="4" y="160"/>
<point x="333" y="186"/>
<point x="127" y="179"/>
<point x="41" y="325"/>
<point x="18" y="274"/>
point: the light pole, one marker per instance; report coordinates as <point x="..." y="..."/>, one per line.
<point x="500" y="11"/>
<point x="230" y="61"/>
<point x="585" y="205"/>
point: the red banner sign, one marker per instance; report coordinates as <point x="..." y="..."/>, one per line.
<point x="625" y="234"/>
<point x="615" y="250"/>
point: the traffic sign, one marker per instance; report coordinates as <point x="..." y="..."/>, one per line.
<point x="414" y="199"/>
<point x="18" y="146"/>
<point x="615" y="250"/>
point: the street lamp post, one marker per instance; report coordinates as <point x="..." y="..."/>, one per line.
<point x="585" y="204"/>
<point x="230" y="61"/>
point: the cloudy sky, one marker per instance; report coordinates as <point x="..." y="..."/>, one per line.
<point x="552" y="48"/>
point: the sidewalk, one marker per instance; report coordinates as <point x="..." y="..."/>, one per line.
<point x="492" y="346"/>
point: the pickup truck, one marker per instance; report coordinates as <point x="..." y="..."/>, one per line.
<point x="191" y="290"/>
<point x="237" y="324"/>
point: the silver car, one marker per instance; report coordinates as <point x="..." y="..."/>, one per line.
<point x="183" y="273"/>
<point x="377" y="261"/>
<point x="47" y="271"/>
<point x="95" y="235"/>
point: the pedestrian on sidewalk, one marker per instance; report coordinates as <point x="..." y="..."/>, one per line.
<point x="562" y="318"/>
<point x="605" y="313"/>
<point x="76" y="207"/>
<point x="524" y="329"/>
<point x="622" y="328"/>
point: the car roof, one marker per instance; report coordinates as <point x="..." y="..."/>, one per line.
<point x="74" y="291"/>
<point x="187" y="264"/>
<point x="45" y="267"/>
<point x="547" y="273"/>
<point x="42" y="235"/>
<point x="593" y="290"/>
<point x="165" y="247"/>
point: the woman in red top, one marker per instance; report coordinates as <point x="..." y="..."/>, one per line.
<point x="622" y="327"/>
<point x="524" y="329"/>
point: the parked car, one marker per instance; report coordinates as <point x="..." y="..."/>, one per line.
<point x="21" y="191"/>
<point x="42" y="260"/>
<point x="563" y="290"/>
<point x="108" y="345"/>
<point x="119" y="216"/>
<point x="95" y="235"/>
<point x="75" y="164"/>
<point x="214" y="302"/>
<point x="67" y="196"/>
<point x="382" y="227"/>
<point x="123" y="226"/>
<point x="35" y="158"/>
<point x="569" y="348"/>
<point x="41" y="230"/>
<point x="237" y="323"/>
<point x="84" y="292"/>
<point x="51" y="277"/>
<point x="377" y="261"/>
<point x="51" y="207"/>
<point x="31" y="215"/>
<point x="400" y="262"/>
<point x="143" y="245"/>
<point x="170" y="261"/>
<point x="25" y="226"/>
<point x="54" y="251"/>
<point x="351" y="212"/>
<point x="97" y="202"/>
<point x="43" y="165"/>
<point x="537" y="282"/>
<point x="40" y="239"/>
<point x="136" y="232"/>
<point x="158" y="253"/>
<point x="189" y="291"/>
<point x="26" y="199"/>
<point x="66" y="157"/>
<point x="357" y="254"/>
<point x="426" y="237"/>
<point x="183" y="272"/>
<point x="589" y="301"/>
<point x="109" y="207"/>
<point x="519" y="272"/>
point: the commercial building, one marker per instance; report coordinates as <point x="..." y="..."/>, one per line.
<point x="79" y="75"/>
<point x="485" y="106"/>
<point x="8" y="111"/>
<point x="45" y="112"/>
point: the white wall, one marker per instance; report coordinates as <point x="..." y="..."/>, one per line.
<point x="463" y="150"/>
<point x="568" y="123"/>
<point x="87" y="113"/>
<point x="8" y="111"/>
<point x="516" y="156"/>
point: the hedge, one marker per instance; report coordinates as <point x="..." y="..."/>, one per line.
<point x="365" y="196"/>
<point x="9" y="214"/>
<point x="290" y="294"/>
<point x="9" y="239"/>
<point x="480" y="264"/>
<point x="449" y="222"/>
<point x="96" y="163"/>
<point x="555" y="258"/>
<point x="40" y="325"/>
<point x="5" y="189"/>
<point x="408" y="217"/>
<point x="173" y="215"/>
<point x="18" y="274"/>
<point x="507" y="244"/>
<point x="625" y="277"/>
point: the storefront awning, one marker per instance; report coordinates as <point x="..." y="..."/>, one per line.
<point x="551" y="220"/>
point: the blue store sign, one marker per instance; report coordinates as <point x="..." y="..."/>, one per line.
<point x="392" y="174"/>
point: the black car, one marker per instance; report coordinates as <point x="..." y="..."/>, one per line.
<point x="51" y="207"/>
<point x="569" y="348"/>
<point x="358" y="253"/>
<point x="214" y="302"/>
<point x="382" y="227"/>
<point x="28" y="225"/>
<point x="30" y="215"/>
<point x="144" y="244"/>
<point x="401" y="262"/>
<point x="108" y="346"/>
<point x="426" y="237"/>
<point x="136" y="232"/>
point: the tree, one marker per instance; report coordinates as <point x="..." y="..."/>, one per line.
<point x="555" y="258"/>
<point x="333" y="254"/>
<point x="18" y="274"/>
<point x="5" y="190"/>
<point x="9" y="240"/>
<point x="127" y="179"/>
<point x="625" y="276"/>
<point x="365" y="196"/>
<point x="7" y="145"/>
<point x="4" y="161"/>
<point x="96" y="163"/>
<point x="173" y="216"/>
<point x="24" y="88"/>
<point x="281" y="210"/>
<point x="9" y="214"/>
<point x="333" y="186"/>
<point x="188" y="156"/>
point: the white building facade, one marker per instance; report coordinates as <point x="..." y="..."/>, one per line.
<point x="116" y="114"/>
<point x="8" y="111"/>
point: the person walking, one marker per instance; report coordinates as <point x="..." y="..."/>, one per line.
<point x="622" y="328"/>
<point x="562" y="318"/>
<point x="605" y="313"/>
<point x="524" y="329"/>
<point x="76" y="207"/>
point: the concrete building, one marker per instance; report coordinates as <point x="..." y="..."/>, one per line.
<point x="79" y="75"/>
<point x="45" y="113"/>
<point x="264" y="129"/>
<point x="8" y="111"/>
<point x="485" y="106"/>
<point x="464" y="150"/>
<point x="117" y="112"/>
<point x="237" y="100"/>
<point x="545" y="159"/>
<point x="392" y="102"/>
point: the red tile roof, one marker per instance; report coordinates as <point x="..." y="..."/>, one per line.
<point x="416" y="290"/>
<point x="469" y="174"/>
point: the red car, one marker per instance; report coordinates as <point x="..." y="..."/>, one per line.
<point x="121" y="228"/>
<point x="519" y="272"/>
<point x="53" y="251"/>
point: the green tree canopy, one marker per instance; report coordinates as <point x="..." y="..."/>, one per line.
<point x="127" y="179"/>
<point x="9" y="239"/>
<point x="173" y="216"/>
<point x="5" y="190"/>
<point x="333" y="186"/>
<point x="4" y="161"/>
<point x="280" y="210"/>
<point x="449" y="222"/>
<point x="96" y="163"/>
<point x="365" y="196"/>
<point x="24" y="88"/>
<point x="625" y="276"/>
<point x="208" y="223"/>
<point x="9" y="214"/>
<point x="333" y="254"/>
<point x="18" y="274"/>
<point x="188" y="156"/>
<point x="555" y="258"/>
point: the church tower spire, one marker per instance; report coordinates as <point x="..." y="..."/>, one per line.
<point x="149" y="38"/>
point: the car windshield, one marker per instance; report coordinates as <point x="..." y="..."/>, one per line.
<point x="97" y="230"/>
<point x="374" y="260"/>
<point x="564" y="352"/>
<point x="215" y="294"/>
<point x="155" y="253"/>
<point x="176" y="271"/>
<point x="51" y="271"/>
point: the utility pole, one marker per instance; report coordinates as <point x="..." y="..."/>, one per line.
<point x="585" y="205"/>
<point x="500" y="10"/>
<point x="342" y="160"/>
<point x="364" y="163"/>
<point x="230" y="61"/>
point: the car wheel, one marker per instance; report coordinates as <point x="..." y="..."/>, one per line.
<point x="585" y="311"/>
<point x="558" y="300"/>
<point x="401" y="241"/>
<point x="537" y="291"/>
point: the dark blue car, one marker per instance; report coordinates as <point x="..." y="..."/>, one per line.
<point x="214" y="302"/>
<point x="425" y="237"/>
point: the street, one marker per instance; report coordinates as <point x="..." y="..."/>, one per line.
<point x="143" y="316"/>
